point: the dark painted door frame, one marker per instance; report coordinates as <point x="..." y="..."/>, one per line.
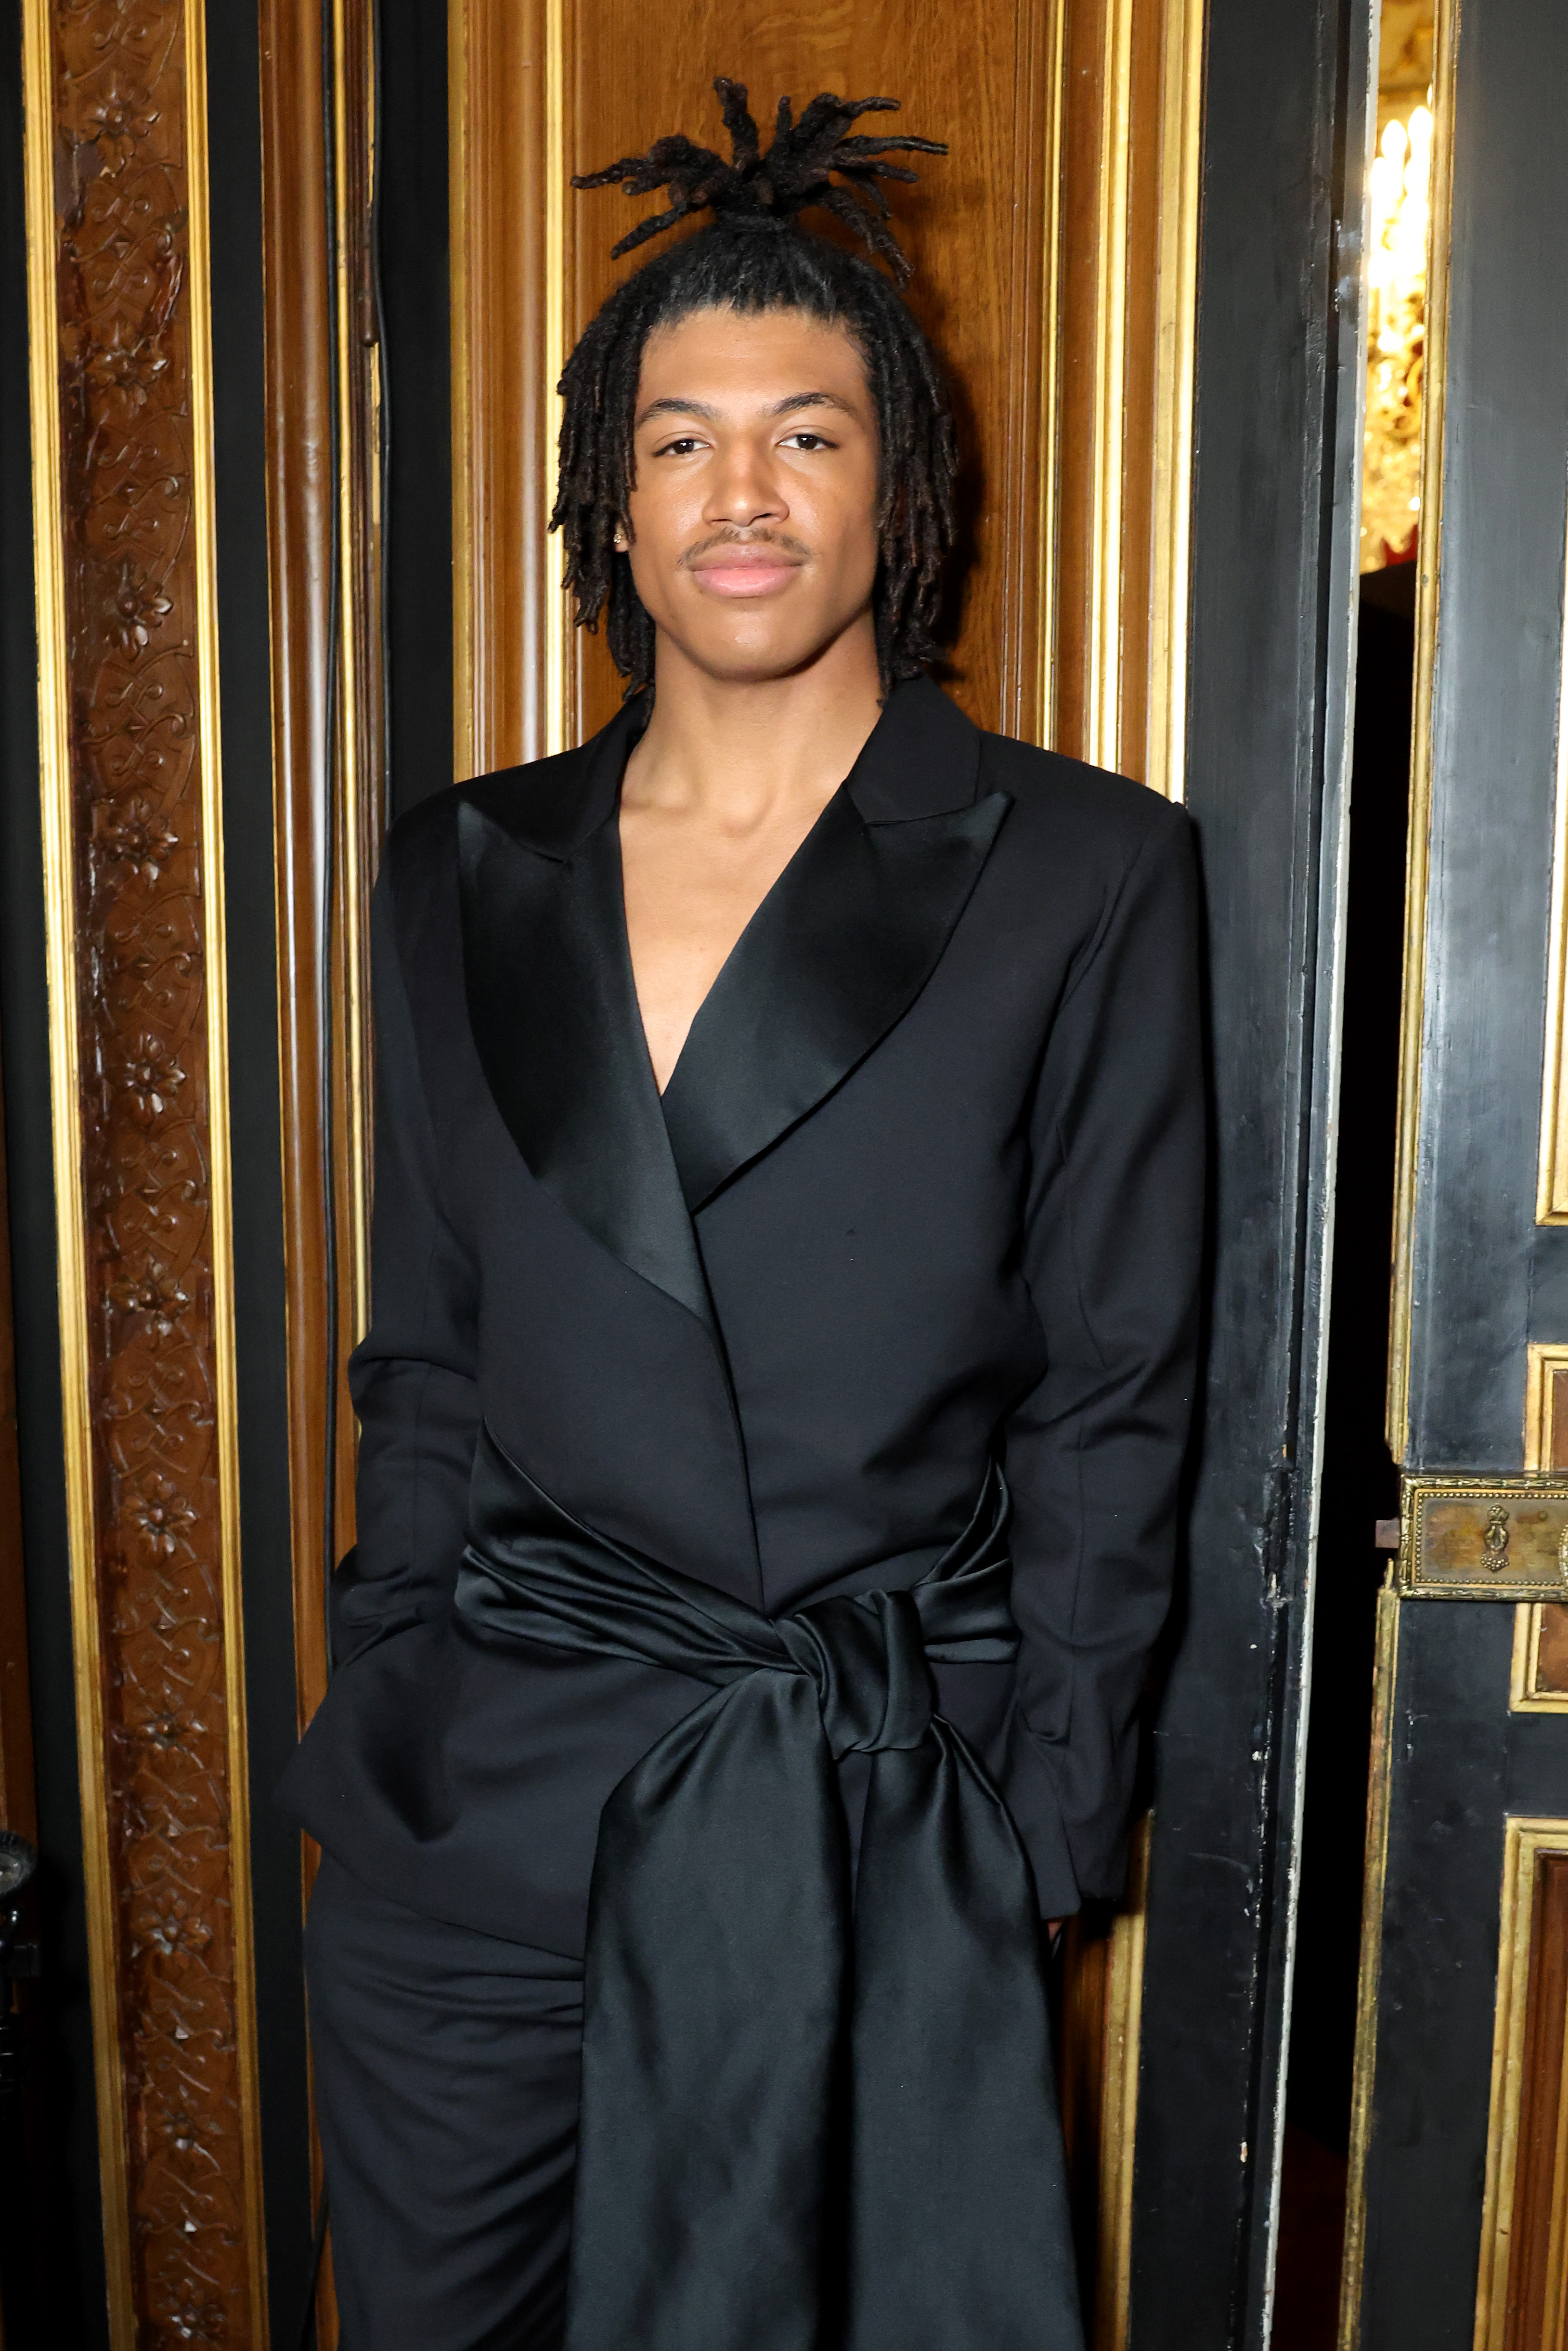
<point x="1275" y="539"/>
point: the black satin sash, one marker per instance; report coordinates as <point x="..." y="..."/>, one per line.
<point x="810" y="2122"/>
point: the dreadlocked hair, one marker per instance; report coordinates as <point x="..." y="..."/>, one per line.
<point x="751" y="258"/>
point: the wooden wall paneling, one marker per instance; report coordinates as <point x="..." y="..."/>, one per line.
<point x="1522" y="2296"/>
<point x="1539" y="1681"/>
<point x="975" y="78"/>
<point x="505" y="140"/>
<point x="300" y="400"/>
<point x="358" y="690"/>
<point x="981" y="228"/>
<point x="1102" y="2002"/>
<point x="124" y="551"/>
<point x="1131" y="149"/>
<point x="1056" y="260"/>
<point x="325" y="560"/>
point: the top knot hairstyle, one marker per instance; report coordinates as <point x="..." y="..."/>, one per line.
<point x="752" y="256"/>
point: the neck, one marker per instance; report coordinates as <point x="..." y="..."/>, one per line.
<point x="739" y="752"/>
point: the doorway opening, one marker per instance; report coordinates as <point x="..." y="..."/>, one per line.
<point x="1360" y="1482"/>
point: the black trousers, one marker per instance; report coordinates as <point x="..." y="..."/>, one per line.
<point x="446" y="2070"/>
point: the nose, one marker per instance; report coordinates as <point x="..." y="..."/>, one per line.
<point x="743" y="488"/>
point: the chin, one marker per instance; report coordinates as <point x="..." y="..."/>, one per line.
<point x="755" y="659"/>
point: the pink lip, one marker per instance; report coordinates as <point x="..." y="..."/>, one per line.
<point x="740" y="575"/>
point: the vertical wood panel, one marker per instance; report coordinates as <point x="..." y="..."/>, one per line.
<point x="503" y="403"/>
<point x="1539" y="1674"/>
<point x="324" y="502"/>
<point x="972" y="227"/>
<point x="324" y="494"/>
<point x="1130" y="182"/>
<point x="116" y="189"/>
<point x="298" y="297"/>
<point x="980" y="229"/>
<point x="1521" y="2293"/>
<point x="1056" y="262"/>
<point x="1533" y="2321"/>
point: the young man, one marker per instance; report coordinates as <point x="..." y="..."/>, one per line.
<point x="788" y="1193"/>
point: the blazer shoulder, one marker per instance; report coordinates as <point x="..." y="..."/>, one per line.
<point x="538" y="802"/>
<point x="421" y="837"/>
<point x="1068" y="806"/>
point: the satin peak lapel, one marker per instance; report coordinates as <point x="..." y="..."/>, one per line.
<point x="839" y="949"/>
<point x="554" y="1018"/>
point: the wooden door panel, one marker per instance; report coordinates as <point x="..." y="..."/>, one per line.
<point x="1055" y="253"/>
<point x="1459" y="2168"/>
<point x="972" y="227"/>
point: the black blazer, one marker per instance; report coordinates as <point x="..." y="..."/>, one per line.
<point x="925" y="1188"/>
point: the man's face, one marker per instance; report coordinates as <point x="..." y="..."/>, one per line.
<point x="753" y="514"/>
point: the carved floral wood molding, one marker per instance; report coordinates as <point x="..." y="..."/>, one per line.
<point x="121" y="78"/>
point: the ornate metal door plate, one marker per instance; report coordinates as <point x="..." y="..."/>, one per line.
<point x="1484" y="1539"/>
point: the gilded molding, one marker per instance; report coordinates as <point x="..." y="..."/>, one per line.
<point x="1418" y="852"/>
<point x="1526" y="1695"/>
<point x="121" y="419"/>
<point x="1118" y="2109"/>
<point x="1526" y="1842"/>
<point x="560" y="717"/>
<point x="1116" y="657"/>
<point x="461" y="281"/>
<point x="1385" y="1674"/>
<point x="1047" y="458"/>
<point x="1176" y="358"/>
<point x="1102" y="732"/>
<point x="1552" y="1184"/>
<point x="359" y="753"/>
<point x="514" y="662"/>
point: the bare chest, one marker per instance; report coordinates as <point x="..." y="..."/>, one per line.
<point x="689" y="894"/>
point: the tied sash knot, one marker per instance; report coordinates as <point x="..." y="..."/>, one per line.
<point x="811" y="2119"/>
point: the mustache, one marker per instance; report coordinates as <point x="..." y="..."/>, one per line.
<point x="733" y="535"/>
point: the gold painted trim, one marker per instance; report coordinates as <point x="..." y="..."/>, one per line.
<point x="1552" y="1181"/>
<point x="459" y="266"/>
<point x="1176" y="350"/>
<point x="558" y="680"/>
<point x="1525" y="1841"/>
<point x="1542" y="1361"/>
<point x="1047" y="586"/>
<point x="1524" y="1696"/>
<point x="1386" y="1671"/>
<point x="1119" y="2099"/>
<point x="65" y="1096"/>
<point x="1103" y="728"/>
<point x="344" y="753"/>
<point x="1418" y="852"/>
<point x="219" y="1155"/>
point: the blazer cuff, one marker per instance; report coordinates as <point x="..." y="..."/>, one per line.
<point x="1030" y="1796"/>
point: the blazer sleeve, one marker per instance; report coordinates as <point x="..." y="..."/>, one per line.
<point x="1114" y="1244"/>
<point x="413" y="1377"/>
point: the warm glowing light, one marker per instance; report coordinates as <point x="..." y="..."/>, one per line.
<point x="1398" y="217"/>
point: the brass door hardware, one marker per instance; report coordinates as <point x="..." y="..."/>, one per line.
<point x="1487" y="1538"/>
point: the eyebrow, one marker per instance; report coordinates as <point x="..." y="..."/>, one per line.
<point x="785" y="407"/>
